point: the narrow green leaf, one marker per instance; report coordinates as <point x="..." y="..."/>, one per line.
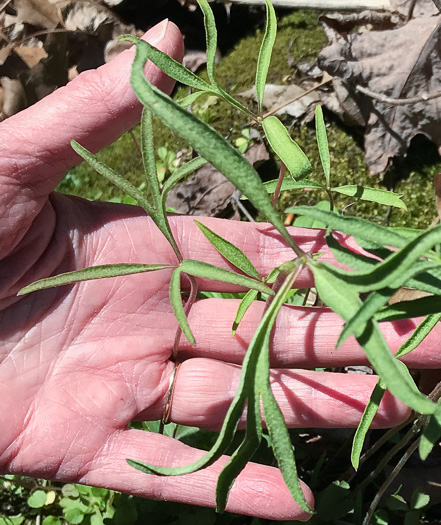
<point x="242" y="455"/>
<point x="409" y="309"/>
<point x="279" y="436"/>
<point x="179" y="174"/>
<point x="322" y="142"/>
<point x="343" y="299"/>
<point x="367" y="311"/>
<point x="210" y="144"/>
<point x="400" y="266"/>
<point x="229" y="251"/>
<point x="208" y="271"/>
<point x="431" y="434"/>
<point x="365" y="422"/>
<point x="358" y="228"/>
<point x="211" y="37"/>
<point x="93" y="272"/>
<point x="282" y="448"/>
<point x="170" y="66"/>
<point x="113" y="176"/>
<point x="289" y="184"/>
<point x="190" y="99"/>
<point x="365" y="193"/>
<point x="148" y="157"/>
<point x="309" y="222"/>
<point x="288" y="150"/>
<point x="245" y="303"/>
<point x="158" y="216"/>
<point x="420" y="333"/>
<point x="265" y="52"/>
<point x="346" y="256"/>
<point x="176" y="302"/>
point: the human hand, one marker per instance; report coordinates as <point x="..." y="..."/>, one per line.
<point x="79" y="363"/>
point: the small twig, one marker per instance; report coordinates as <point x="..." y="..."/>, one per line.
<point x="396" y="470"/>
<point x="411" y="10"/>
<point x="276" y="193"/>
<point x="395" y="101"/>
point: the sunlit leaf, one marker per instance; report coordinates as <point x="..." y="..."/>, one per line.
<point x="208" y="271"/>
<point x="245" y="303"/>
<point x="265" y="52"/>
<point x="364" y="193"/>
<point x="178" y="308"/>
<point x="208" y="142"/>
<point x="420" y="333"/>
<point x="365" y="423"/>
<point x="289" y="152"/>
<point x="409" y="309"/>
<point x="343" y="299"/>
<point x="189" y="99"/>
<point x="148" y="157"/>
<point x="229" y="251"/>
<point x="431" y="434"/>
<point x="170" y="66"/>
<point x="91" y="273"/>
<point x="368" y="309"/>
<point x="322" y="142"/>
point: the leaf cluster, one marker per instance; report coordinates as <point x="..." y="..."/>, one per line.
<point x="389" y="261"/>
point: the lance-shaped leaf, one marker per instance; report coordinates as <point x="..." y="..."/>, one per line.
<point x="175" y="295"/>
<point x="265" y="52"/>
<point x="279" y="436"/>
<point x="157" y="215"/>
<point x="344" y="255"/>
<point x="419" y="334"/>
<point x="229" y="251"/>
<point x="208" y="271"/>
<point x="243" y="454"/>
<point x="343" y="299"/>
<point x="322" y="142"/>
<point x="388" y="198"/>
<point x="189" y="99"/>
<point x="208" y="142"/>
<point x="410" y="309"/>
<point x="367" y="311"/>
<point x="430" y="435"/>
<point x="289" y="184"/>
<point x="365" y="422"/>
<point x="179" y="174"/>
<point x="91" y="273"/>
<point x="211" y="37"/>
<point x="400" y="266"/>
<point x="289" y="152"/>
<point x="358" y="228"/>
<point x="170" y="66"/>
<point x="244" y="304"/>
<point x="148" y="157"/>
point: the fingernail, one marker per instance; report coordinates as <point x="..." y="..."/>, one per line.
<point x="157" y="33"/>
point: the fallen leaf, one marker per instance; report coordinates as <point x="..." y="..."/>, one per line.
<point x="208" y="193"/>
<point x="31" y="56"/>
<point x="392" y="63"/>
<point x="38" y="13"/>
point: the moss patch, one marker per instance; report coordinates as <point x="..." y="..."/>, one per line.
<point x="299" y="35"/>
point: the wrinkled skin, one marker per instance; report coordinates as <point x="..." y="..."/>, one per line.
<point x="78" y="363"/>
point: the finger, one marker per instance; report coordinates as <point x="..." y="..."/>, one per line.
<point x="94" y="109"/>
<point x="258" y="491"/>
<point x="205" y="388"/>
<point x="304" y="337"/>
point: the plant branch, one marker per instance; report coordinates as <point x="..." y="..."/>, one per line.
<point x="396" y="101"/>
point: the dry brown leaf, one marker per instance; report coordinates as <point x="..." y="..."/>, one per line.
<point x="407" y="294"/>
<point x="31" y="56"/>
<point x="38" y="13"/>
<point x="398" y="65"/>
<point x="422" y="7"/>
<point x="208" y="193"/>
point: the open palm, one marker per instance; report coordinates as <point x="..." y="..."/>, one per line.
<point x="78" y="363"/>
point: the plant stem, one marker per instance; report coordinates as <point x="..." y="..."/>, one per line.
<point x="276" y="193"/>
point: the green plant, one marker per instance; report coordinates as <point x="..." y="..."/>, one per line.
<point x="395" y="260"/>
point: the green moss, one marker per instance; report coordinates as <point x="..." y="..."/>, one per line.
<point x="299" y="36"/>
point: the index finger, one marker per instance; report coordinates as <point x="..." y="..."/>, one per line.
<point x="95" y="109"/>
